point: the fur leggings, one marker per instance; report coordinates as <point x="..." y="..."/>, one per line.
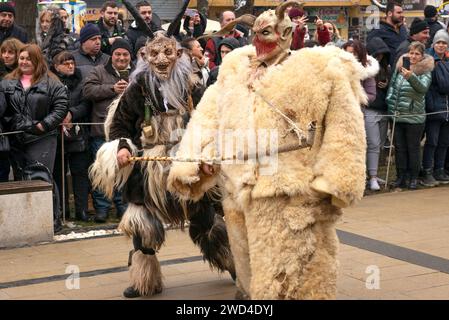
<point x="207" y="230"/>
<point x="284" y="248"/>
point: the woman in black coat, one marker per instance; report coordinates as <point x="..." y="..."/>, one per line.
<point x="36" y="104"/>
<point x="76" y="151"/>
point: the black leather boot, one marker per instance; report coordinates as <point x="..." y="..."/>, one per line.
<point x="413" y="184"/>
<point x="81" y="216"/>
<point x="101" y="216"/>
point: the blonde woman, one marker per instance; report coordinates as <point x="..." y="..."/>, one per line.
<point x="327" y="34"/>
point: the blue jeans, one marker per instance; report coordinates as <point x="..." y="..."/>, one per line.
<point x="101" y="203"/>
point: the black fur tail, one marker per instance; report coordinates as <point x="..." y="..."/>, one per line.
<point x="208" y="231"/>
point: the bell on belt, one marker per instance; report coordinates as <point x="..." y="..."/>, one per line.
<point x="147" y="131"/>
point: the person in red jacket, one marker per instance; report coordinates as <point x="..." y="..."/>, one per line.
<point x="299" y="28"/>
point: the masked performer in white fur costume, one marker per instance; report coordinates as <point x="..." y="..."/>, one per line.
<point x="281" y="225"/>
<point x="149" y="115"/>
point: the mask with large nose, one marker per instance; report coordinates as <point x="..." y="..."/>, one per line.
<point x="162" y="54"/>
<point x="272" y="35"/>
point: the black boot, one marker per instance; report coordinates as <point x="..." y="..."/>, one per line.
<point x="57" y="225"/>
<point x="399" y="183"/>
<point x="101" y="216"/>
<point x="441" y="176"/>
<point x="81" y="216"/>
<point x="427" y="179"/>
<point x="413" y="184"/>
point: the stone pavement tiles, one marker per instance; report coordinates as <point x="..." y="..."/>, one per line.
<point x="387" y="243"/>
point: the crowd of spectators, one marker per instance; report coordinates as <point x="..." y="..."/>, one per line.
<point x="55" y="84"/>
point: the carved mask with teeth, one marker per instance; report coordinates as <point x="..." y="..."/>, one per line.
<point x="162" y="54"/>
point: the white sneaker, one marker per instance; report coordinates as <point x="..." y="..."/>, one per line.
<point x="373" y="184"/>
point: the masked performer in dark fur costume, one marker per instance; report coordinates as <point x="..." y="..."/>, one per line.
<point x="150" y="115"/>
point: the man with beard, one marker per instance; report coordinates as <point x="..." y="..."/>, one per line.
<point x="280" y="209"/>
<point x="8" y="29"/>
<point x="109" y="28"/>
<point x="391" y="29"/>
<point x="150" y="116"/>
<point x="146" y="12"/>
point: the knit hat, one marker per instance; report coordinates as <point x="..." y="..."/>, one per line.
<point x="417" y="26"/>
<point x="441" y="35"/>
<point x="295" y="12"/>
<point x="430" y="11"/>
<point x="121" y="44"/>
<point x="6" y="7"/>
<point x="88" y="31"/>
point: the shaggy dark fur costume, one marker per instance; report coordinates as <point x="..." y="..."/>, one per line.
<point x="207" y="228"/>
<point x="208" y="231"/>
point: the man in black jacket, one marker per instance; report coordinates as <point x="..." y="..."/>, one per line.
<point x="391" y="29"/>
<point x="109" y="27"/>
<point x="8" y="29"/>
<point x="103" y="85"/>
<point x="431" y="17"/>
<point x="145" y="10"/>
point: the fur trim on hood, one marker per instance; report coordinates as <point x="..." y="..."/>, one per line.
<point x="425" y="65"/>
<point x="372" y="68"/>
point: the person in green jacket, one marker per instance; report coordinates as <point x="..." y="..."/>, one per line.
<point x="406" y="100"/>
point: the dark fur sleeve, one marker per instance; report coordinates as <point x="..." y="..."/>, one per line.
<point x="126" y="118"/>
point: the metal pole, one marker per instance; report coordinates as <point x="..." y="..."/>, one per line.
<point x="389" y="152"/>
<point x="63" y="174"/>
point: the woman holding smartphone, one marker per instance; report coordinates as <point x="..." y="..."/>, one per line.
<point x="406" y="100"/>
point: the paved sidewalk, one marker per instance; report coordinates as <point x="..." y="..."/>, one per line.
<point x="401" y="237"/>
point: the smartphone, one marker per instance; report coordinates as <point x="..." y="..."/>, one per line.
<point x="312" y="19"/>
<point x="406" y="63"/>
<point x="124" y="75"/>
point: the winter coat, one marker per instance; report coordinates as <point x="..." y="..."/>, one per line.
<point x="99" y="89"/>
<point x="435" y="99"/>
<point x="212" y="47"/>
<point x="119" y="31"/>
<point x="376" y="47"/>
<point x="402" y="49"/>
<point x="44" y="102"/>
<point x="4" y="70"/>
<point x="434" y="27"/>
<point x="298" y="38"/>
<point x="198" y="29"/>
<point x="369" y="84"/>
<point x="407" y="97"/>
<point x="390" y="35"/>
<point x="14" y="32"/>
<point x="135" y="33"/>
<point x="334" y="104"/>
<point x="79" y="108"/>
<point x="86" y="63"/>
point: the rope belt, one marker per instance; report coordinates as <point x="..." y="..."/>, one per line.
<point x="305" y="143"/>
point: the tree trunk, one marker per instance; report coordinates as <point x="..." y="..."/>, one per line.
<point x="26" y="16"/>
<point x="247" y="8"/>
<point x="203" y="7"/>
